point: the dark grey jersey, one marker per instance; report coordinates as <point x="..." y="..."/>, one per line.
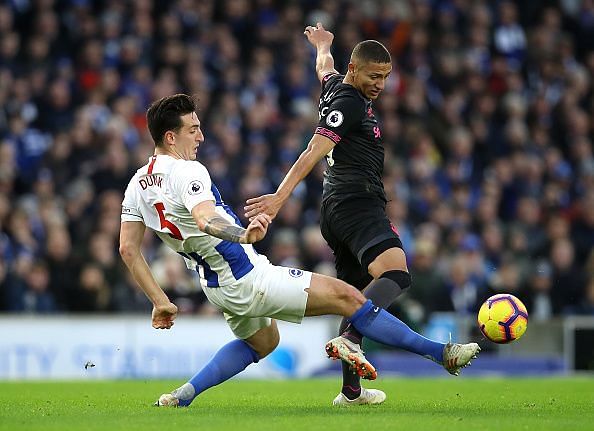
<point x="356" y="163"/>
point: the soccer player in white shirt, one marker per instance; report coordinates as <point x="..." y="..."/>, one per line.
<point x="174" y="196"/>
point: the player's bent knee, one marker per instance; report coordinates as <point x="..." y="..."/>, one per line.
<point x="265" y="340"/>
<point x="402" y="278"/>
<point x="264" y="349"/>
<point x="270" y="344"/>
<point x="270" y="347"/>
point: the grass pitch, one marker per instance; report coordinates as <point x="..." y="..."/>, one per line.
<point x="412" y="404"/>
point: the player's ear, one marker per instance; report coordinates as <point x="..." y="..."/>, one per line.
<point x="169" y="137"/>
<point x="352" y="67"/>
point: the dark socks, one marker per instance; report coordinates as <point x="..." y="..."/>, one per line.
<point x="351" y="382"/>
<point x="381" y="292"/>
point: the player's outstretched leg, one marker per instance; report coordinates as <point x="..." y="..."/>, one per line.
<point x="381" y="326"/>
<point x="230" y="360"/>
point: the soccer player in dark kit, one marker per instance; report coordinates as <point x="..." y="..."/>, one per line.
<point x="367" y="248"/>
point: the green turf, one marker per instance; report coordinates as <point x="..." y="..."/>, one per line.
<point x="412" y="404"/>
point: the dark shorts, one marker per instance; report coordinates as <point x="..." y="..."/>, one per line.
<point x="358" y="231"/>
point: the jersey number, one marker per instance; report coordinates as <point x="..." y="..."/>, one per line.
<point x="166" y="224"/>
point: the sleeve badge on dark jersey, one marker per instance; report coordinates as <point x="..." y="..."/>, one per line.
<point x="195" y="188"/>
<point x="334" y="118"/>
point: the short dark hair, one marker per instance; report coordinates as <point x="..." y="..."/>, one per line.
<point x="370" y="51"/>
<point x="165" y="114"/>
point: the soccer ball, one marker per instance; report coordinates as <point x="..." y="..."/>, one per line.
<point x="503" y="318"/>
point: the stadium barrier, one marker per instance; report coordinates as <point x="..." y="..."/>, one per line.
<point x="117" y="347"/>
<point x="113" y="347"/>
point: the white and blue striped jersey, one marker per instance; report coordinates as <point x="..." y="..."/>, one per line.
<point x="162" y="194"/>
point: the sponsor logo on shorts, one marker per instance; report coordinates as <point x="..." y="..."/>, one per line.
<point x="293" y="272"/>
<point x="195" y="188"/>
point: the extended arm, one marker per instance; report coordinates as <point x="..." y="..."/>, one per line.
<point x="131" y="235"/>
<point x="321" y="39"/>
<point x="317" y="148"/>
<point x="212" y="223"/>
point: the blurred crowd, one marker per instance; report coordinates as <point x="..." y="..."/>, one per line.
<point x="487" y="120"/>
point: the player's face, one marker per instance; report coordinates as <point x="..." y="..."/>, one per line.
<point x="189" y="137"/>
<point x="370" y="78"/>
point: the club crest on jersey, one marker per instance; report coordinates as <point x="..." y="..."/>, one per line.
<point x="293" y="272"/>
<point x="195" y="188"/>
<point x="334" y="118"/>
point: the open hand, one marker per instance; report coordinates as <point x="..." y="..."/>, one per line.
<point x="265" y="204"/>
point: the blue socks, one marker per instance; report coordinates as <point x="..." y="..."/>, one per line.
<point x="372" y="322"/>
<point x="230" y="360"/>
<point x="379" y="325"/>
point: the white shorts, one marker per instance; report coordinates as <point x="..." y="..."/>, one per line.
<point x="267" y="292"/>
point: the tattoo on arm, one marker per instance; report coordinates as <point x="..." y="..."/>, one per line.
<point x="221" y="228"/>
